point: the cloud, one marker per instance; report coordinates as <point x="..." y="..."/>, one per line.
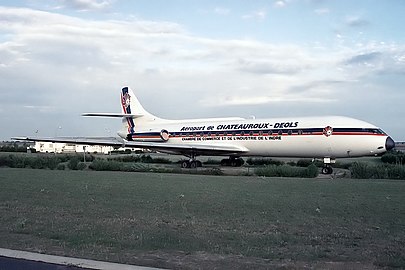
<point x="322" y="11"/>
<point x="221" y="11"/>
<point x="376" y="59"/>
<point x="363" y="58"/>
<point x="356" y="21"/>
<point x="280" y="3"/>
<point x="88" y="5"/>
<point x="259" y="100"/>
<point x="53" y="67"/>
<point x="257" y="15"/>
<point x="269" y="67"/>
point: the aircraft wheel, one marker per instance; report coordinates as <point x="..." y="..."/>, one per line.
<point x="185" y="164"/>
<point x="327" y="170"/>
<point x="193" y="164"/>
<point x="199" y="164"/>
<point x="237" y="162"/>
<point x="225" y="162"/>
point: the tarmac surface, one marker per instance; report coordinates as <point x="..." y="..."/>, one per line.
<point x="18" y="264"/>
<point x="22" y="260"/>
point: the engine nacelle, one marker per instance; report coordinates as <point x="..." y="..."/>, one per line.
<point x="162" y="136"/>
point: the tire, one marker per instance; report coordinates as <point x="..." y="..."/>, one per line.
<point x="185" y="164"/>
<point x="327" y="170"/>
<point x="193" y="164"/>
<point x="225" y="162"/>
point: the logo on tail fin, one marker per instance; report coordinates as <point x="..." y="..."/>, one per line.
<point x="126" y="107"/>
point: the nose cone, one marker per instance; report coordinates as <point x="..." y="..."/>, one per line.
<point x="389" y="144"/>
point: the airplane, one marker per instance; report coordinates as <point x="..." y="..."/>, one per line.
<point x="318" y="137"/>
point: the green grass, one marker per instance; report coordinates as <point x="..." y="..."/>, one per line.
<point x="133" y="217"/>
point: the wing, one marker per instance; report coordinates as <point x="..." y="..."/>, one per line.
<point x="171" y="148"/>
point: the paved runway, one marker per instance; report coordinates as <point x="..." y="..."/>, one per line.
<point x="22" y="260"/>
<point x="21" y="264"/>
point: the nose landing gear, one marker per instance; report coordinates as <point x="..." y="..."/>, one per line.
<point x="327" y="168"/>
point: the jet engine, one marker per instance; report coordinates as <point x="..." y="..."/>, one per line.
<point x="162" y="136"/>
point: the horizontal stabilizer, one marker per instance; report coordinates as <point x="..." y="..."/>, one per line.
<point x="118" y="115"/>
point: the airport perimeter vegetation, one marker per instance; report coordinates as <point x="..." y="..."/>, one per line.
<point x="172" y="219"/>
<point x="389" y="166"/>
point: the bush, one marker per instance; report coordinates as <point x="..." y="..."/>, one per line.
<point x="17" y="161"/>
<point x="38" y="162"/>
<point x="61" y="167"/>
<point x="130" y="158"/>
<point x="13" y="148"/>
<point x="213" y="171"/>
<point x="287" y="171"/>
<point x="73" y="163"/>
<point x="142" y="158"/>
<point x="103" y="165"/>
<point x="146" y="159"/>
<point x="64" y="158"/>
<point x="212" y="162"/>
<point x="5" y="161"/>
<point x="304" y="162"/>
<point x="161" y="160"/>
<point x="393" y="157"/>
<point x="366" y="171"/>
<point x="361" y="170"/>
<point x="263" y="161"/>
<point x="311" y="171"/>
<point x="396" y="172"/>
<point x="81" y="166"/>
<point x="53" y="162"/>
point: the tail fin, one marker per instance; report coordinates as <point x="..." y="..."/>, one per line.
<point x="131" y="105"/>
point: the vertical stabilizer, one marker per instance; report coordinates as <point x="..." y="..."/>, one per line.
<point x="131" y="105"/>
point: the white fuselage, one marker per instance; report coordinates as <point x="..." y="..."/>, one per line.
<point x="316" y="137"/>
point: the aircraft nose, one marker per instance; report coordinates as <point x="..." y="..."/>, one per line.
<point x="389" y="143"/>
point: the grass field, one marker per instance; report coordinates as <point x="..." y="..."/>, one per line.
<point x="195" y="221"/>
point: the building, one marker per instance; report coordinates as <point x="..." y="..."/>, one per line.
<point x="400" y="146"/>
<point x="49" y="147"/>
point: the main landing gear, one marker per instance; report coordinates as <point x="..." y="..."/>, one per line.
<point x="327" y="168"/>
<point x="232" y="162"/>
<point x="192" y="163"/>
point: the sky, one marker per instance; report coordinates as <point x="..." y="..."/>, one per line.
<point x="199" y="59"/>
